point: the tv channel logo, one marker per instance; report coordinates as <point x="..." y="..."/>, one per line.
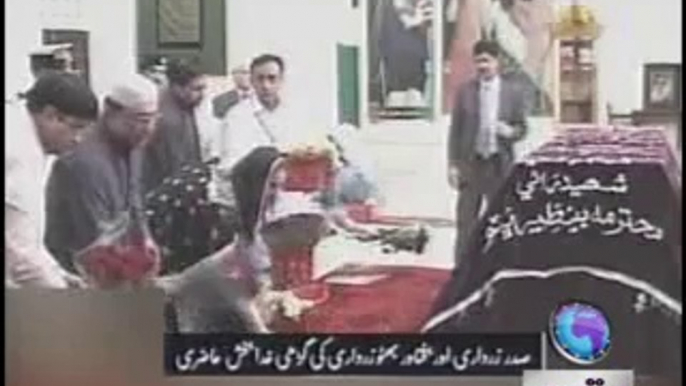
<point x="580" y="332"/>
<point x="578" y="378"/>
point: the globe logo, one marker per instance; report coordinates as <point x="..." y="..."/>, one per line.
<point x="580" y="332"/>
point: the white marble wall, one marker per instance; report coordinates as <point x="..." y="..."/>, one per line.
<point x="111" y="25"/>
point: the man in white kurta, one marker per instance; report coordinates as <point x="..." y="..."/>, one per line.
<point x="57" y="108"/>
<point x="250" y="125"/>
<point x="264" y="119"/>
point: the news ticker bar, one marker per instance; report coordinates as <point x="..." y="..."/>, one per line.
<point x="347" y="354"/>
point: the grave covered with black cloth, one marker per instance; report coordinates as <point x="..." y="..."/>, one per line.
<point x="593" y="216"/>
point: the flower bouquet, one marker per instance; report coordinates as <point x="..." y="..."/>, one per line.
<point x="123" y="256"/>
<point x="309" y="168"/>
<point x="598" y="145"/>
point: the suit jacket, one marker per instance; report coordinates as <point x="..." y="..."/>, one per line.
<point x="465" y="125"/>
<point x="222" y="103"/>
<point x="176" y="142"/>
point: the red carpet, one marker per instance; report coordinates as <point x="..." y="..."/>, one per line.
<point x="400" y="303"/>
<point x="368" y="214"/>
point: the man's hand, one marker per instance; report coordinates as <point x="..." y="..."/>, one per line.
<point x="267" y="303"/>
<point x="169" y="284"/>
<point x="361" y="230"/>
<point x="342" y="220"/>
<point x="153" y="251"/>
<point x="258" y="323"/>
<point x="73" y="281"/>
<point x="425" y="9"/>
<point x="504" y="130"/>
<point x="421" y="14"/>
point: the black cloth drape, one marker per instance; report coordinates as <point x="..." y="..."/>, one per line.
<point x="607" y="201"/>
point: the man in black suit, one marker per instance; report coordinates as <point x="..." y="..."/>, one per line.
<point x="222" y="103"/>
<point x="489" y="117"/>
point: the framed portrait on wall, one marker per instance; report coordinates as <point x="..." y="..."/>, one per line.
<point x="77" y="57"/>
<point x="662" y="87"/>
<point x="522" y="30"/>
<point x="179" y="23"/>
<point x="183" y="29"/>
<point x="400" y="57"/>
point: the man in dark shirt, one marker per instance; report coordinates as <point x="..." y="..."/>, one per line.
<point x="100" y="179"/>
<point x="177" y="140"/>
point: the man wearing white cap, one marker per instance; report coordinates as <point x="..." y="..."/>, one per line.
<point x="101" y="178"/>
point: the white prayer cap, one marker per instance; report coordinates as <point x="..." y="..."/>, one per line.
<point x="135" y="92"/>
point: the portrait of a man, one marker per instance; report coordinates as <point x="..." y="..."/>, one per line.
<point x="662" y="86"/>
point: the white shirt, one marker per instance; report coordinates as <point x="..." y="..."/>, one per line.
<point x="250" y="125"/>
<point x="208" y="127"/>
<point x="27" y="262"/>
<point x="489" y="101"/>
